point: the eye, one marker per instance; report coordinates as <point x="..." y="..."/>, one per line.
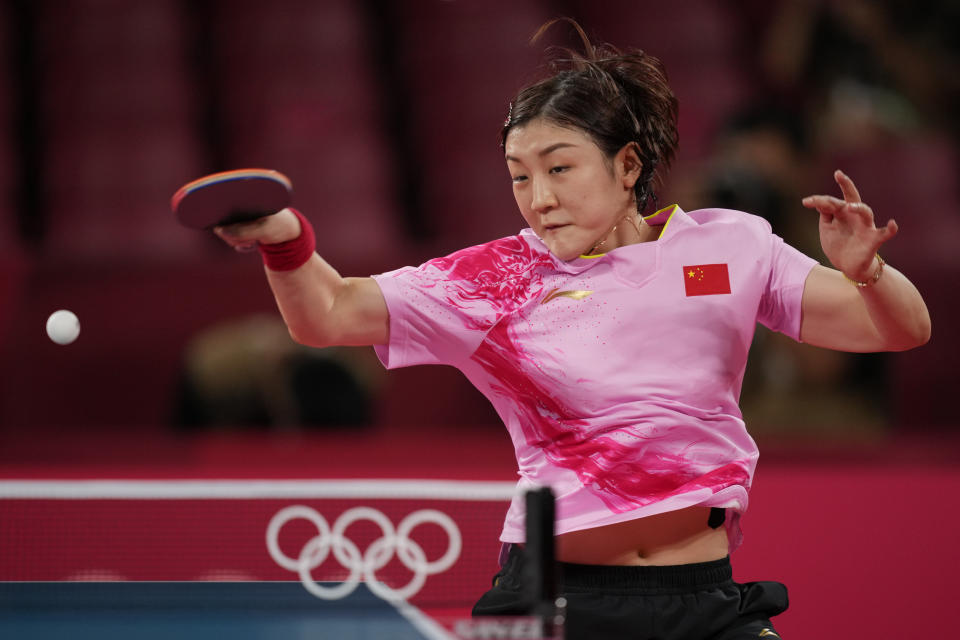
<point x="560" y="169"/>
<point x="518" y="179"/>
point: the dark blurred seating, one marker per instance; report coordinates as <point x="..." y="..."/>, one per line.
<point x="118" y="128"/>
<point x="297" y="93"/>
<point x="463" y="62"/>
<point x="12" y="258"/>
<point x="8" y="167"/>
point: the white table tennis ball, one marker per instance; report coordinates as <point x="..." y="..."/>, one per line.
<point x="63" y="327"/>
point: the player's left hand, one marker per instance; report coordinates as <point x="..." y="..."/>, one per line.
<point x="847" y="232"/>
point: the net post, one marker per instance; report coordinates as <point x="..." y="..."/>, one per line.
<point x="541" y="572"/>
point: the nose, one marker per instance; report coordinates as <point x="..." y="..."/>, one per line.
<point x="543" y="197"/>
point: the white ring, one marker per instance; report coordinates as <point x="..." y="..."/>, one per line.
<point x="454" y="546"/>
<point x="362" y="513"/>
<point x="338" y="591"/>
<point x="377" y="555"/>
<point x="284" y="516"/>
<point x="389" y="593"/>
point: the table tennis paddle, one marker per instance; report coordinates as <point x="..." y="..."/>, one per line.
<point x="230" y="197"/>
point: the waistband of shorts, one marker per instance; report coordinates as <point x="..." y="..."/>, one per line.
<point x="647" y="579"/>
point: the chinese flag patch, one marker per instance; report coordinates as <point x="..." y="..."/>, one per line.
<point x="706" y="279"/>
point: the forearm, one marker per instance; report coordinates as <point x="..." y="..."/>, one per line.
<point x="307" y="297"/>
<point x="897" y="310"/>
<point x="888" y="315"/>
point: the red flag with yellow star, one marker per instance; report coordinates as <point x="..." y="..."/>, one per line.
<point x="706" y="279"/>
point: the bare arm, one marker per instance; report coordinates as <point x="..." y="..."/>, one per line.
<point x="321" y="308"/>
<point x="888" y="315"/>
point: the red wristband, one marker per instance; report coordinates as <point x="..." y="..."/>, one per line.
<point x="292" y="254"/>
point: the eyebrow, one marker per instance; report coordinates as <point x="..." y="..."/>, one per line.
<point x="547" y="150"/>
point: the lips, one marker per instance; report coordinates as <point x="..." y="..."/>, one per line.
<point x="554" y="227"/>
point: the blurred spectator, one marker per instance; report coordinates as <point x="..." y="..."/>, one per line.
<point x="864" y="66"/>
<point x="249" y="373"/>
<point x="761" y="164"/>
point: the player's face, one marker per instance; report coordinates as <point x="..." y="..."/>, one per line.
<point x="568" y="191"/>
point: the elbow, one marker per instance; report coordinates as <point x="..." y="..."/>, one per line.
<point x="309" y="337"/>
<point x="919" y="336"/>
<point x="923" y="335"/>
<point x="923" y="330"/>
<point x="298" y="336"/>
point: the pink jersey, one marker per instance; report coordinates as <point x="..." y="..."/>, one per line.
<point x="618" y="376"/>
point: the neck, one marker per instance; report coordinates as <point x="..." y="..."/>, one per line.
<point x="628" y="229"/>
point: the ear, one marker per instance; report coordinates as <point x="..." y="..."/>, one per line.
<point x="629" y="164"/>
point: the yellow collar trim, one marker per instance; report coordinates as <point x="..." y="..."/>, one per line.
<point x="672" y="209"/>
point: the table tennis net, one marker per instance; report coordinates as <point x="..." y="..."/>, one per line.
<point x="433" y="543"/>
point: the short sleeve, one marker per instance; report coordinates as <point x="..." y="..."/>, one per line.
<point x="441" y="311"/>
<point x="780" y="304"/>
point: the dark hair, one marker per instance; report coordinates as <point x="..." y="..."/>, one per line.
<point x="614" y="97"/>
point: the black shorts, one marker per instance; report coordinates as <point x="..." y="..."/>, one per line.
<point x="681" y="602"/>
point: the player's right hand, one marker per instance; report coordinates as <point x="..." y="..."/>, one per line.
<point x="245" y="236"/>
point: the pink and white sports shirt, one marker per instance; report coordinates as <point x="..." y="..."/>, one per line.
<point x="617" y="376"/>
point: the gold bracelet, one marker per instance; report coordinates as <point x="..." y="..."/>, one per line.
<point x="872" y="281"/>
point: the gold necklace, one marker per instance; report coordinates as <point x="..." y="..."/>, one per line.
<point x="633" y="223"/>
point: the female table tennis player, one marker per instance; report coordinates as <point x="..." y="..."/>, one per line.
<point x="613" y="344"/>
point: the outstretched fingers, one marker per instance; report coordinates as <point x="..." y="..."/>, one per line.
<point x="859" y="210"/>
<point x="849" y="190"/>
<point x="826" y="205"/>
<point x="830" y="205"/>
<point x="850" y="208"/>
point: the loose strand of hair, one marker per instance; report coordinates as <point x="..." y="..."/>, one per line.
<point x="584" y="38"/>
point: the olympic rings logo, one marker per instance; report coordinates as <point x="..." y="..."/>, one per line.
<point x="377" y="555"/>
